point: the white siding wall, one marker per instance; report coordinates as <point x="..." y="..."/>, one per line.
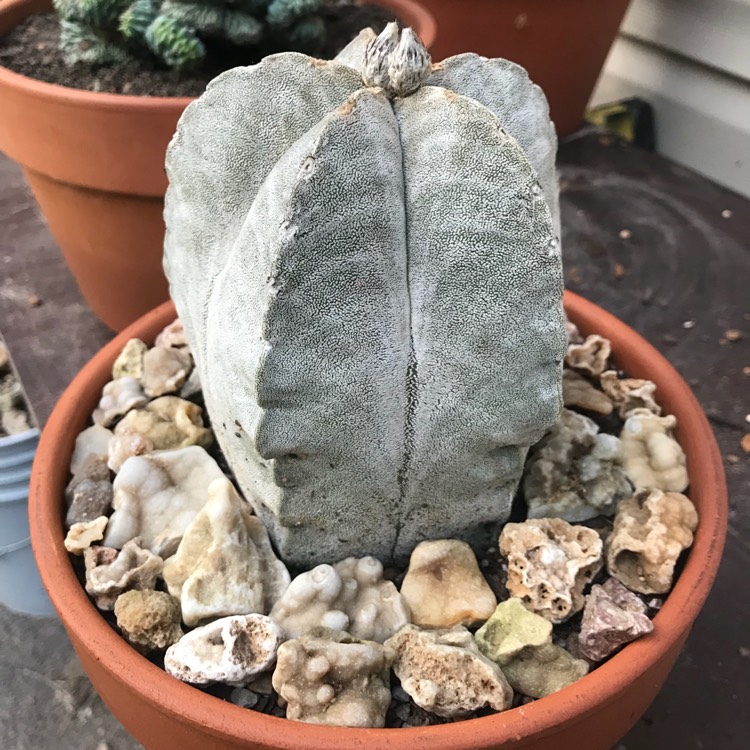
<point x="691" y="60"/>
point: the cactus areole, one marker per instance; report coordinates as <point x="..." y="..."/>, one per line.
<point x="365" y="256"/>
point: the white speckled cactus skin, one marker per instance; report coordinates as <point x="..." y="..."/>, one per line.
<point x="371" y="285"/>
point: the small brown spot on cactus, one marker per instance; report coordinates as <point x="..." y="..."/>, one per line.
<point x="317" y="63"/>
<point x="346" y="108"/>
<point x="438" y="67"/>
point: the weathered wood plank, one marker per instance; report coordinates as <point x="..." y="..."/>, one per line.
<point x="702" y="116"/>
<point x="713" y="32"/>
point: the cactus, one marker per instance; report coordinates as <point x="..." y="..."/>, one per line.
<point x="368" y="270"/>
<point x="105" y="32"/>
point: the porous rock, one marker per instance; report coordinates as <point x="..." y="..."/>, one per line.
<point x="520" y="642"/>
<point x="231" y="650"/>
<point x="15" y="421"/>
<point x="93" y="440"/>
<point x="93" y="469"/>
<point x="173" y="336"/>
<point x="149" y="620"/>
<point x="330" y="677"/>
<point x="129" y="362"/>
<point x="124" y="444"/>
<point x="629" y="394"/>
<point x="350" y="596"/>
<point x="581" y="393"/>
<point x="91" y="499"/>
<point x="82" y="535"/>
<point x="444" y="587"/>
<point x="574" y="335"/>
<point x="575" y="472"/>
<point x="157" y="496"/>
<point x="444" y="672"/>
<point x="225" y="564"/>
<point x="11" y="393"/>
<point x="612" y="617"/>
<point x="355" y="449"/>
<point x="111" y="572"/>
<point x="118" y="398"/>
<point x="651" y="530"/>
<point x="168" y="422"/>
<point x="549" y="564"/>
<point x="590" y="356"/>
<point x="544" y="670"/>
<point x="165" y="370"/>
<point x="651" y="456"/>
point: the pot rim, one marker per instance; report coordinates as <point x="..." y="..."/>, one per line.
<point x="540" y="718"/>
<point x="52" y="92"/>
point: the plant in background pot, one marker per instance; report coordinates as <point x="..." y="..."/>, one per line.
<point x="371" y="299"/>
<point x="563" y="45"/>
<point x="95" y="160"/>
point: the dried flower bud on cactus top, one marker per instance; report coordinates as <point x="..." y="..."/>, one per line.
<point x="397" y="63"/>
<point x="372" y="292"/>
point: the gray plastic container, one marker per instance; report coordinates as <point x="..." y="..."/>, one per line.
<point x="21" y="587"/>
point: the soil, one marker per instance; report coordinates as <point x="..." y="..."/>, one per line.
<point x="31" y="49"/>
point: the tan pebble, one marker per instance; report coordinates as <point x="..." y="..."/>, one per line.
<point x="82" y="535"/>
<point x="444" y="587"/>
<point x="225" y="564"/>
<point x="358" y="692"/>
<point x="149" y="620"/>
<point x="745" y="443"/>
<point x="651" y="529"/>
<point x="445" y="673"/>
<point x="581" y="393"/>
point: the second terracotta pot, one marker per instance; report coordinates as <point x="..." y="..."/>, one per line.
<point x="562" y="43"/>
<point x="95" y="163"/>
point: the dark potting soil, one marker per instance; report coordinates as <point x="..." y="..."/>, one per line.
<point x="31" y="49"/>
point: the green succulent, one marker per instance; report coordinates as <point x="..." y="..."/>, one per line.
<point x="107" y="32"/>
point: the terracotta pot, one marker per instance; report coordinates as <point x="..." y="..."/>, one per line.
<point x="95" y="163"/>
<point x="593" y="713"/>
<point x="562" y="43"/>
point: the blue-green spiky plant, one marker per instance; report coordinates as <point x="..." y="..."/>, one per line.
<point x="106" y="32"/>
